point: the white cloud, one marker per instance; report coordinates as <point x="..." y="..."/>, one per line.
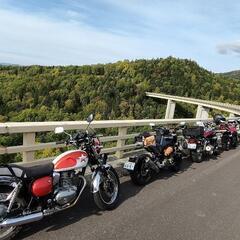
<point x="38" y="39"/>
<point x="228" y="48"/>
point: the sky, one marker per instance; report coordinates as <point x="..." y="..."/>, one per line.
<point x="78" y="32"/>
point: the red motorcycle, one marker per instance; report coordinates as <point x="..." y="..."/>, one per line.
<point x="228" y="130"/>
<point x="27" y="194"/>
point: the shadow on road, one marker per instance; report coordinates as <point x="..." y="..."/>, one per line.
<point x="86" y="206"/>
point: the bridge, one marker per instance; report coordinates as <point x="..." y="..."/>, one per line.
<point x="199" y="202"/>
<point x="203" y="105"/>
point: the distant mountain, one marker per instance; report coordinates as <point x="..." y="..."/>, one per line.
<point x="232" y="74"/>
<point x="8" y="64"/>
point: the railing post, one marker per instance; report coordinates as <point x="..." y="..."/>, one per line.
<point x="232" y="115"/>
<point x="170" y="109"/>
<point x="202" y="112"/>
<point x="28" y="139"/>
<point x="122" y="131"/>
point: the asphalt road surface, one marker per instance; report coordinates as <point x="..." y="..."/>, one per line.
<point x="200" y="202"/>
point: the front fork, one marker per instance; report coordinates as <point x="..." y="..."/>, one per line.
<point x="97" y="177"/>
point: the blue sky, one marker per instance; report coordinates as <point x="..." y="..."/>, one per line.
<point x="64" y="32"/>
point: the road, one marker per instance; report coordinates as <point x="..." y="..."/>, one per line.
<point x="200" y="202"/>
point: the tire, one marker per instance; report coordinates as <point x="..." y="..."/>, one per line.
<point x="10" y="232"/>
<point x="225" y="143"/>
<point x="142" y="173"/>
<point x="101" y="197"/>
<point x="197" y="156"/>
<point x="216" y="151"/>
<point x="234" y="142"/>
<point x="177" y="164"/>
<point x="225" y="146"/>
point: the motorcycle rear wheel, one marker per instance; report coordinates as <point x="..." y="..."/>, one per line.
<point x="142" y="173"/>
<point x="7" y="233"/>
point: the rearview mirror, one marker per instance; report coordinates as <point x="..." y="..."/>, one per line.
<point x="59" y="130"/>
<point x="90" y="118"/>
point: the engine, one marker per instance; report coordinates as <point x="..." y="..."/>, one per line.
<point x="67" y="190"/>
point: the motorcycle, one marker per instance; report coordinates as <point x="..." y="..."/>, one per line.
<point x="182" y="142"/>
<point x="211" y="144"/>
<point x="233" y="129"/>
<point x="228" y="130"/>
<point x="229" y="135"/>
<point x="27" y="194"/>
<point x="195" y="142"/>
<point x="238" y="129"/>
<point x="163" y="152"/>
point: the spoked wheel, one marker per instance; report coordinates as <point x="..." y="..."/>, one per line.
<point x="7" y="233"/>
<point x="142" y="173"/>
<point x="108" y="195"/>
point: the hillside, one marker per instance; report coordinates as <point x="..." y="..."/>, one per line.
<point x="112" y="91"/>
<point x="232" y="74"/>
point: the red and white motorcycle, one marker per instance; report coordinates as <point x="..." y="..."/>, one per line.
<point x="27" y="194"/>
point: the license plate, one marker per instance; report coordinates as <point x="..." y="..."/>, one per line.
<point x="129" y="165"/>
<point x="192" y="145"/>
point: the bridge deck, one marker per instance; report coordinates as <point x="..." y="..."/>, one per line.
<point x="231" y="108"/>
<point x="201" y="202"/>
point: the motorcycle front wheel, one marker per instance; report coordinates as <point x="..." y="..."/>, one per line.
<point x="177" y="164"/>
<point x="142" y="174"/>
<point x="108" y="195"/>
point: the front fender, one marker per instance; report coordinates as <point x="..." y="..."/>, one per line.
<point x="97" y="177"/>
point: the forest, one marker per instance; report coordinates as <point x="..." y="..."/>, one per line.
<point x="111" y="91"/>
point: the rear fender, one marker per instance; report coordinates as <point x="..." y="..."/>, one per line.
<point x="140" y="158"/>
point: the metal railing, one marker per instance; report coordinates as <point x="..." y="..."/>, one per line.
<point x="29" y="130"/>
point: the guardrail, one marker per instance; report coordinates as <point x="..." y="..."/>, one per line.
<point x="29" y="130"/>
<point x="231" y="108"/>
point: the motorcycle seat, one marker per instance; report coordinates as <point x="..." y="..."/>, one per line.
<point x="39" y="170"/>
<point x="32" y="172"/>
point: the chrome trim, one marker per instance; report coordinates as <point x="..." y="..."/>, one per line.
<point x="66" y="206"/>
<point x="96" y="178"/>
<point x="96" y="181"/>
<point x="12" y="196"/>
<point x="9" y="222"/>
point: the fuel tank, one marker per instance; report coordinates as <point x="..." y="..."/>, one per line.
<point x="42" y="186"/>
<point x="70" y="160"/>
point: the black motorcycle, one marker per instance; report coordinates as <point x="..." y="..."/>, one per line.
<point x="163" y="152"/>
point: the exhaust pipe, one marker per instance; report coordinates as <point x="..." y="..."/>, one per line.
<point x="10" y="222"/>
